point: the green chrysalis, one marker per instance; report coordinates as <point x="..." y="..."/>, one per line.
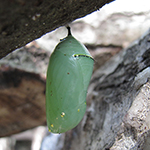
<point x="68" y="76"/>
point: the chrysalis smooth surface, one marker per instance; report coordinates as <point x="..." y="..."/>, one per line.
<point x="68" y="76"/>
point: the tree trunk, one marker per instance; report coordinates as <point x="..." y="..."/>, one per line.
<point x="118" y="112"/>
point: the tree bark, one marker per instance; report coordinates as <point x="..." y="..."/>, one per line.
<point x="22" y="90"/>
<point x="118" y="112"/>
<point x="23" y="21"/>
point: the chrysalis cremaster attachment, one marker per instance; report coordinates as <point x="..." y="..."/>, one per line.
<point x="68" y="76"/>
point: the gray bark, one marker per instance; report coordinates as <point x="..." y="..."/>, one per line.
<point x="23" y="21"/>
<point x="118" y="113"/>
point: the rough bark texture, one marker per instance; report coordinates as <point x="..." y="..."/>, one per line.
<point x="24" y="21"/>
<point x="118" y="113"/>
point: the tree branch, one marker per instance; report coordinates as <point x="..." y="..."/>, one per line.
<point x="24" y="21"/>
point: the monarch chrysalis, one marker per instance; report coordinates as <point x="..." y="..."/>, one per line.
<point x="68" y="76"/>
